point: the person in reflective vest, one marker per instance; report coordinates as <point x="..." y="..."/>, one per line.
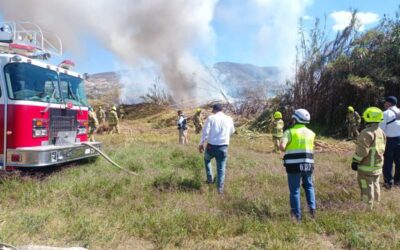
<point x="298" y="144"/>
<point x="276" y="127"/>
<point x="369" y="154"/>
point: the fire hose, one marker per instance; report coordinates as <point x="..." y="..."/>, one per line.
<point x="108" y="159"/>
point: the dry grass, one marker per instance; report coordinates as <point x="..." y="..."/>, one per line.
<point x="169" y="206"/>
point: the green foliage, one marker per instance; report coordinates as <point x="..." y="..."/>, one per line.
<point x="354" y="69"/>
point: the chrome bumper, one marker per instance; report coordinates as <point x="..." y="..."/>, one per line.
<point x="49" y="155"/>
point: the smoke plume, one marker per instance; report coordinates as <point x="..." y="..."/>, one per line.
<point x="140" y="32"/>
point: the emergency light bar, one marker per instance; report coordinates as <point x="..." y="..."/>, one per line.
<point x="66" y="64"/>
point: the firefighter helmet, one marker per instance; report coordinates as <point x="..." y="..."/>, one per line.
<point x="350" y="109"/>
<point x="277" y="115"/>
<point x="114" y="108"/>
<point x="301" y="116"/>
<point x="373" y="114"/>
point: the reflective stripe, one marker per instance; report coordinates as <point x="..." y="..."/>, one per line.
<point x="298" y="161"/>
<point x="299" y="151"/>
<point x="372" y="159"/>
<point x="369" y="168"/>
<point x="357" y="158"/>
<point x="363" y="184"/>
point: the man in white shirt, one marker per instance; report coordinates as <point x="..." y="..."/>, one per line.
<point x="217" y="131"/>
<point x="391" y="126"/>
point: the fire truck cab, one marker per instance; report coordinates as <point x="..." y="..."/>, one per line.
<point x="43" y="108"/>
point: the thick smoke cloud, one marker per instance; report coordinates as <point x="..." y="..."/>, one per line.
<point x="140" y="32"/>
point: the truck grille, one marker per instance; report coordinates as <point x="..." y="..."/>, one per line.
<point x="61" y="120"/>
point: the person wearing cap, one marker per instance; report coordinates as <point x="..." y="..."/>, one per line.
<point x="298" y="144"/>
<point x="368" y="157"/>
<point x="93" y="123"/>
<point x="353" y="121"/>
<point x="198" y="121"/>
<point x="276" y="127"/>
<point x="391" y="126"/>
<point x="216" y="132"/>
<point x="182" y="128"/>
<point x="113" y="121"/>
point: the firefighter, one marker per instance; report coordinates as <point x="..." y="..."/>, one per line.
<point x="298" y="144"/>
<point x="353" y="120"/>
<point x="276" y="126"/>
<point x="102" y="115"/>
<point x="182" y="128"/>
<point x="198" y="121"/>
<point x="93" y="123"/>
<point x="368" y="157"/>
<point x="121" y="112"/>
<point x="113" y="121"/>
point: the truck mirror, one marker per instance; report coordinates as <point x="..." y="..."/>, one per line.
<point x="6" y="34"/>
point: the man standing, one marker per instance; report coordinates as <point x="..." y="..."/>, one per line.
<point x="368" y="158"/>
<point x="182" y="128"/>
<point x="93" y="123"/>
<point x="216" y="132"/>
<point x="353" y="121"/>
<point x="391" y="126"/>
<point x="113" y="121"/>
<point x="102" y="115"/>
<point x="198" y="121"/>
<point x="276" y="127"/>
<point x="298" y="144"/>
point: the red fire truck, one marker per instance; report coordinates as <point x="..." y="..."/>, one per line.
<point x="43" y="108"/>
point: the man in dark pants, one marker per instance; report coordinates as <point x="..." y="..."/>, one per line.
<point x="391" y="126"/>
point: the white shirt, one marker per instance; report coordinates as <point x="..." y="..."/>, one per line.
<point x="392" y="129"/>
<point x="180" y="120"/>
<point x="217" y="129"/>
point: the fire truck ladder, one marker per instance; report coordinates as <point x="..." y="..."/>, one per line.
<point x="28" y="39"/>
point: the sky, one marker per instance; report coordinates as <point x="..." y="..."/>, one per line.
<point x="259" y="32"/>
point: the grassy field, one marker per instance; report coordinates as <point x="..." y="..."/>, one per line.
<point x="168" y="205"/>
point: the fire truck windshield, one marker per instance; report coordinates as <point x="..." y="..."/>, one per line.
<point x="73" y="89"/>
<point x="29" y="82"/>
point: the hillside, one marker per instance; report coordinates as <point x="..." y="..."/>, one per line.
<point x="235" y="78"/>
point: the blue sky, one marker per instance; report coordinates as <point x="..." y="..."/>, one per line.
<point x="246" y="32"/>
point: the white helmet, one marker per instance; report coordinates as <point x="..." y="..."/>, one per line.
<point x="301" y="116"/>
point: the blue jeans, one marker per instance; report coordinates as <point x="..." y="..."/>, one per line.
<point x="392" y="154"/>
<point x="294" y="180"/>
<point x="220" y="153"/>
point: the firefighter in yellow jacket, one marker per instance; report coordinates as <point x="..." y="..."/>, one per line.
<point x="93" y="123"/>
<point x="368" y="158"/>
<point x="113" y="121"/>
<point x="353" y="121"/>
<point x="276" y="127"/>
<point x="198" y="121"/>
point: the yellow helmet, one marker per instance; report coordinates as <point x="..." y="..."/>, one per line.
<point x="373" y="114"/>
<point x="278" y="115"/>
<point x="350" y="109"/>
<point x="198" y="110"/>
<point x="114" y="108"/>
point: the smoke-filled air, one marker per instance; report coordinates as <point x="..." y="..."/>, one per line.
<point x="160" y="35"/>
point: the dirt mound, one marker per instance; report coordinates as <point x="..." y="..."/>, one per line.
<point x="334" y="146"/>
<point x="143" y="110"/>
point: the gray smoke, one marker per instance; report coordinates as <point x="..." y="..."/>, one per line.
<point x="140" y="32"/>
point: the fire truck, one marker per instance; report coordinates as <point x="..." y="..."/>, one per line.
<point x="43" y="107"/>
